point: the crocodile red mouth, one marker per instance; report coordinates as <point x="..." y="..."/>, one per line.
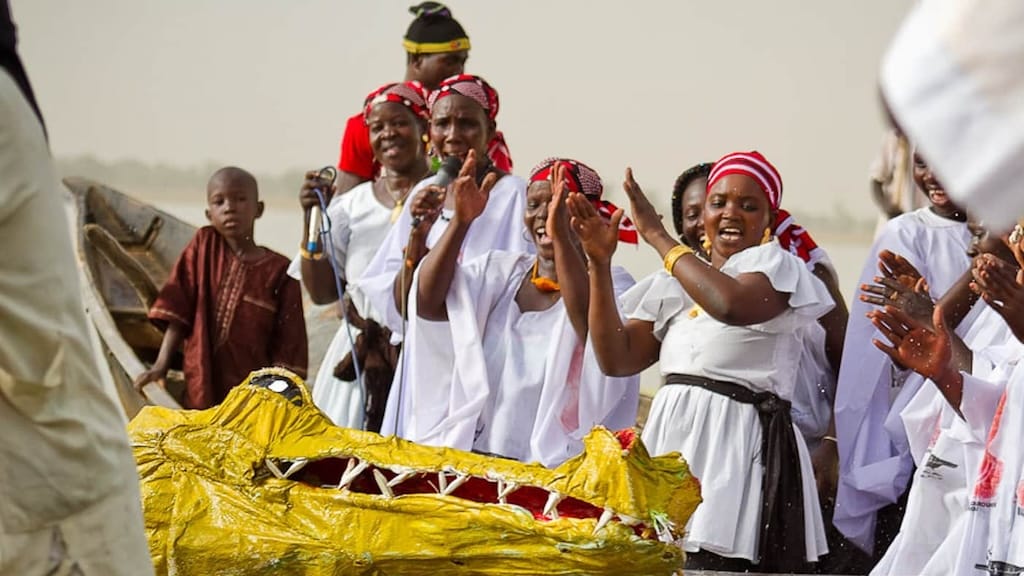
<point x="265" y="484"/>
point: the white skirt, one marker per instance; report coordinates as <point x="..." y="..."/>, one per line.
<point x="721" y="440"/>
<point x="341" y="400"/>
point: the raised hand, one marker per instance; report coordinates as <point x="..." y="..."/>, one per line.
<point x="646" y="219"/>
<point x="313" y="181"/>
<point x="558" y="213"/>
<point x="470" y="199"/>
<point x="598" y="237"/>
<point x="914" y="345"/>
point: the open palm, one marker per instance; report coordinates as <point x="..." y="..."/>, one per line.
<point x="598" y="237"/>
<point x="914" y="345"/>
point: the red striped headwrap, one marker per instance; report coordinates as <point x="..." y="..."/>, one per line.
<point x="754" y="165"/>
<point x="794" y="238"/>
<point x="585" y="180"/>
<point x="412" y="95"/>
<point x="470" y="86"/>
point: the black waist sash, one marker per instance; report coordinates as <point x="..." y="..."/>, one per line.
<point x="782" y="546"/>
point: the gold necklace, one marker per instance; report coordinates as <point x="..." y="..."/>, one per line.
<point x="399" y="199"/>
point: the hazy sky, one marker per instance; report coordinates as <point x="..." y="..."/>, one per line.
<point x="268" y="84"/>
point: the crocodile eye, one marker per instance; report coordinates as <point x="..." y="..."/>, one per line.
<point x="279" y="385"/>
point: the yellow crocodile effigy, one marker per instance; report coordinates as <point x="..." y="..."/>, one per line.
<point x="265" y="484"/>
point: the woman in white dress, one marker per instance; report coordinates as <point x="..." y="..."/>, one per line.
<point x="497" y="351"/>
<point x="727" y="338"/>
<point x="396" y="116"/>
<point x="463" y="117"/>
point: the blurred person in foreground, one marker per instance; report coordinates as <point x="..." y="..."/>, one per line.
<point x="69" y="495"/>
<point x="953" y="81"/>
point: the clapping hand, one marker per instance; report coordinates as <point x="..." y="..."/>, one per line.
<point x="646" y="219"/>
<point x="925" y="350"/>
<point x="900" y="286"/>
<point x="598" y="237"/>
<point x="1001" y="285"/>
<point x="557" y="224"/>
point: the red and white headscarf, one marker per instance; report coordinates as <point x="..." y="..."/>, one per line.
<point x="795" y="239"/>
<point x="410" y="94"/>
<point x="585" y="180"/>
<point x="470" y="86"/>
<point x="754" y="165"/>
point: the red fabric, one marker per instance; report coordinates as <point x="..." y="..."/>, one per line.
<point x="409" y="94"/>
<point x="795" y="239"/>
<point x="754" y="165"/>
<point x="470" y="86"/>
<point x="238" y="316"/>
<point x="498" y="152"/>
<point x="585" y="180"/>
<point x="356" y="154"/>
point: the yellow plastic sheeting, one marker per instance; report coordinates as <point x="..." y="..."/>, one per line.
<point x="218" y="499"/>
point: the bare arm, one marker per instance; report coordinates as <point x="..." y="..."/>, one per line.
<point x="834" y="322"/>
<point x="438" y="267"/>
<point x="569" y="263"/>
<point x="621" y="350"/>
<point x="740" y="301"/>
<point x="173" y="337"/>
<point x="437" y="271"/>
<point x="317" y="275"/>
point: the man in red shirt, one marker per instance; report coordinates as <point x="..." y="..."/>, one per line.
<point x="436" y="47"/>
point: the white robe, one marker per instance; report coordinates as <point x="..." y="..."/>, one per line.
<point x="947" y="453"/>
<point x="874" y="456"/>
<point x="954" y="79"/>
<point x="359" y="223"/>
<point x="721" y="438"/>
<point x="500" y="227"/>
<point x="498" y="380"/>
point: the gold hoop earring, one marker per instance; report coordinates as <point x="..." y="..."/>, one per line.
<point x="706" y="244"/>
<point x="767" y="236"/>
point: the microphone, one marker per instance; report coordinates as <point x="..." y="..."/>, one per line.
<point x="327" y="175"/>
<point x="449" y="170"/>
<point x="313" y="234"/>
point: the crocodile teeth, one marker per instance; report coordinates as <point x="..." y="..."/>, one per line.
<point x="352" y="472"/>
<point x="295" y="467"/>
<point x="401" y="478"/>
<point x="509" y="488"/>
<point x="459" y="481"/>
<point x="501" y="488"/>
<point x="628" y="520"/>
<point x="605" y="518"/>
<point x="273" y="468"/>
<point x="382" y="483"/>
<point x="442" y="483"/>
<point x="551" y="508"/>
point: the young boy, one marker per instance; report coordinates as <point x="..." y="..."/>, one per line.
<point x="231" y="301"/>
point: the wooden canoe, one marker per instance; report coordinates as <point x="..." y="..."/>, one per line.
<point x="126" y="249"/>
